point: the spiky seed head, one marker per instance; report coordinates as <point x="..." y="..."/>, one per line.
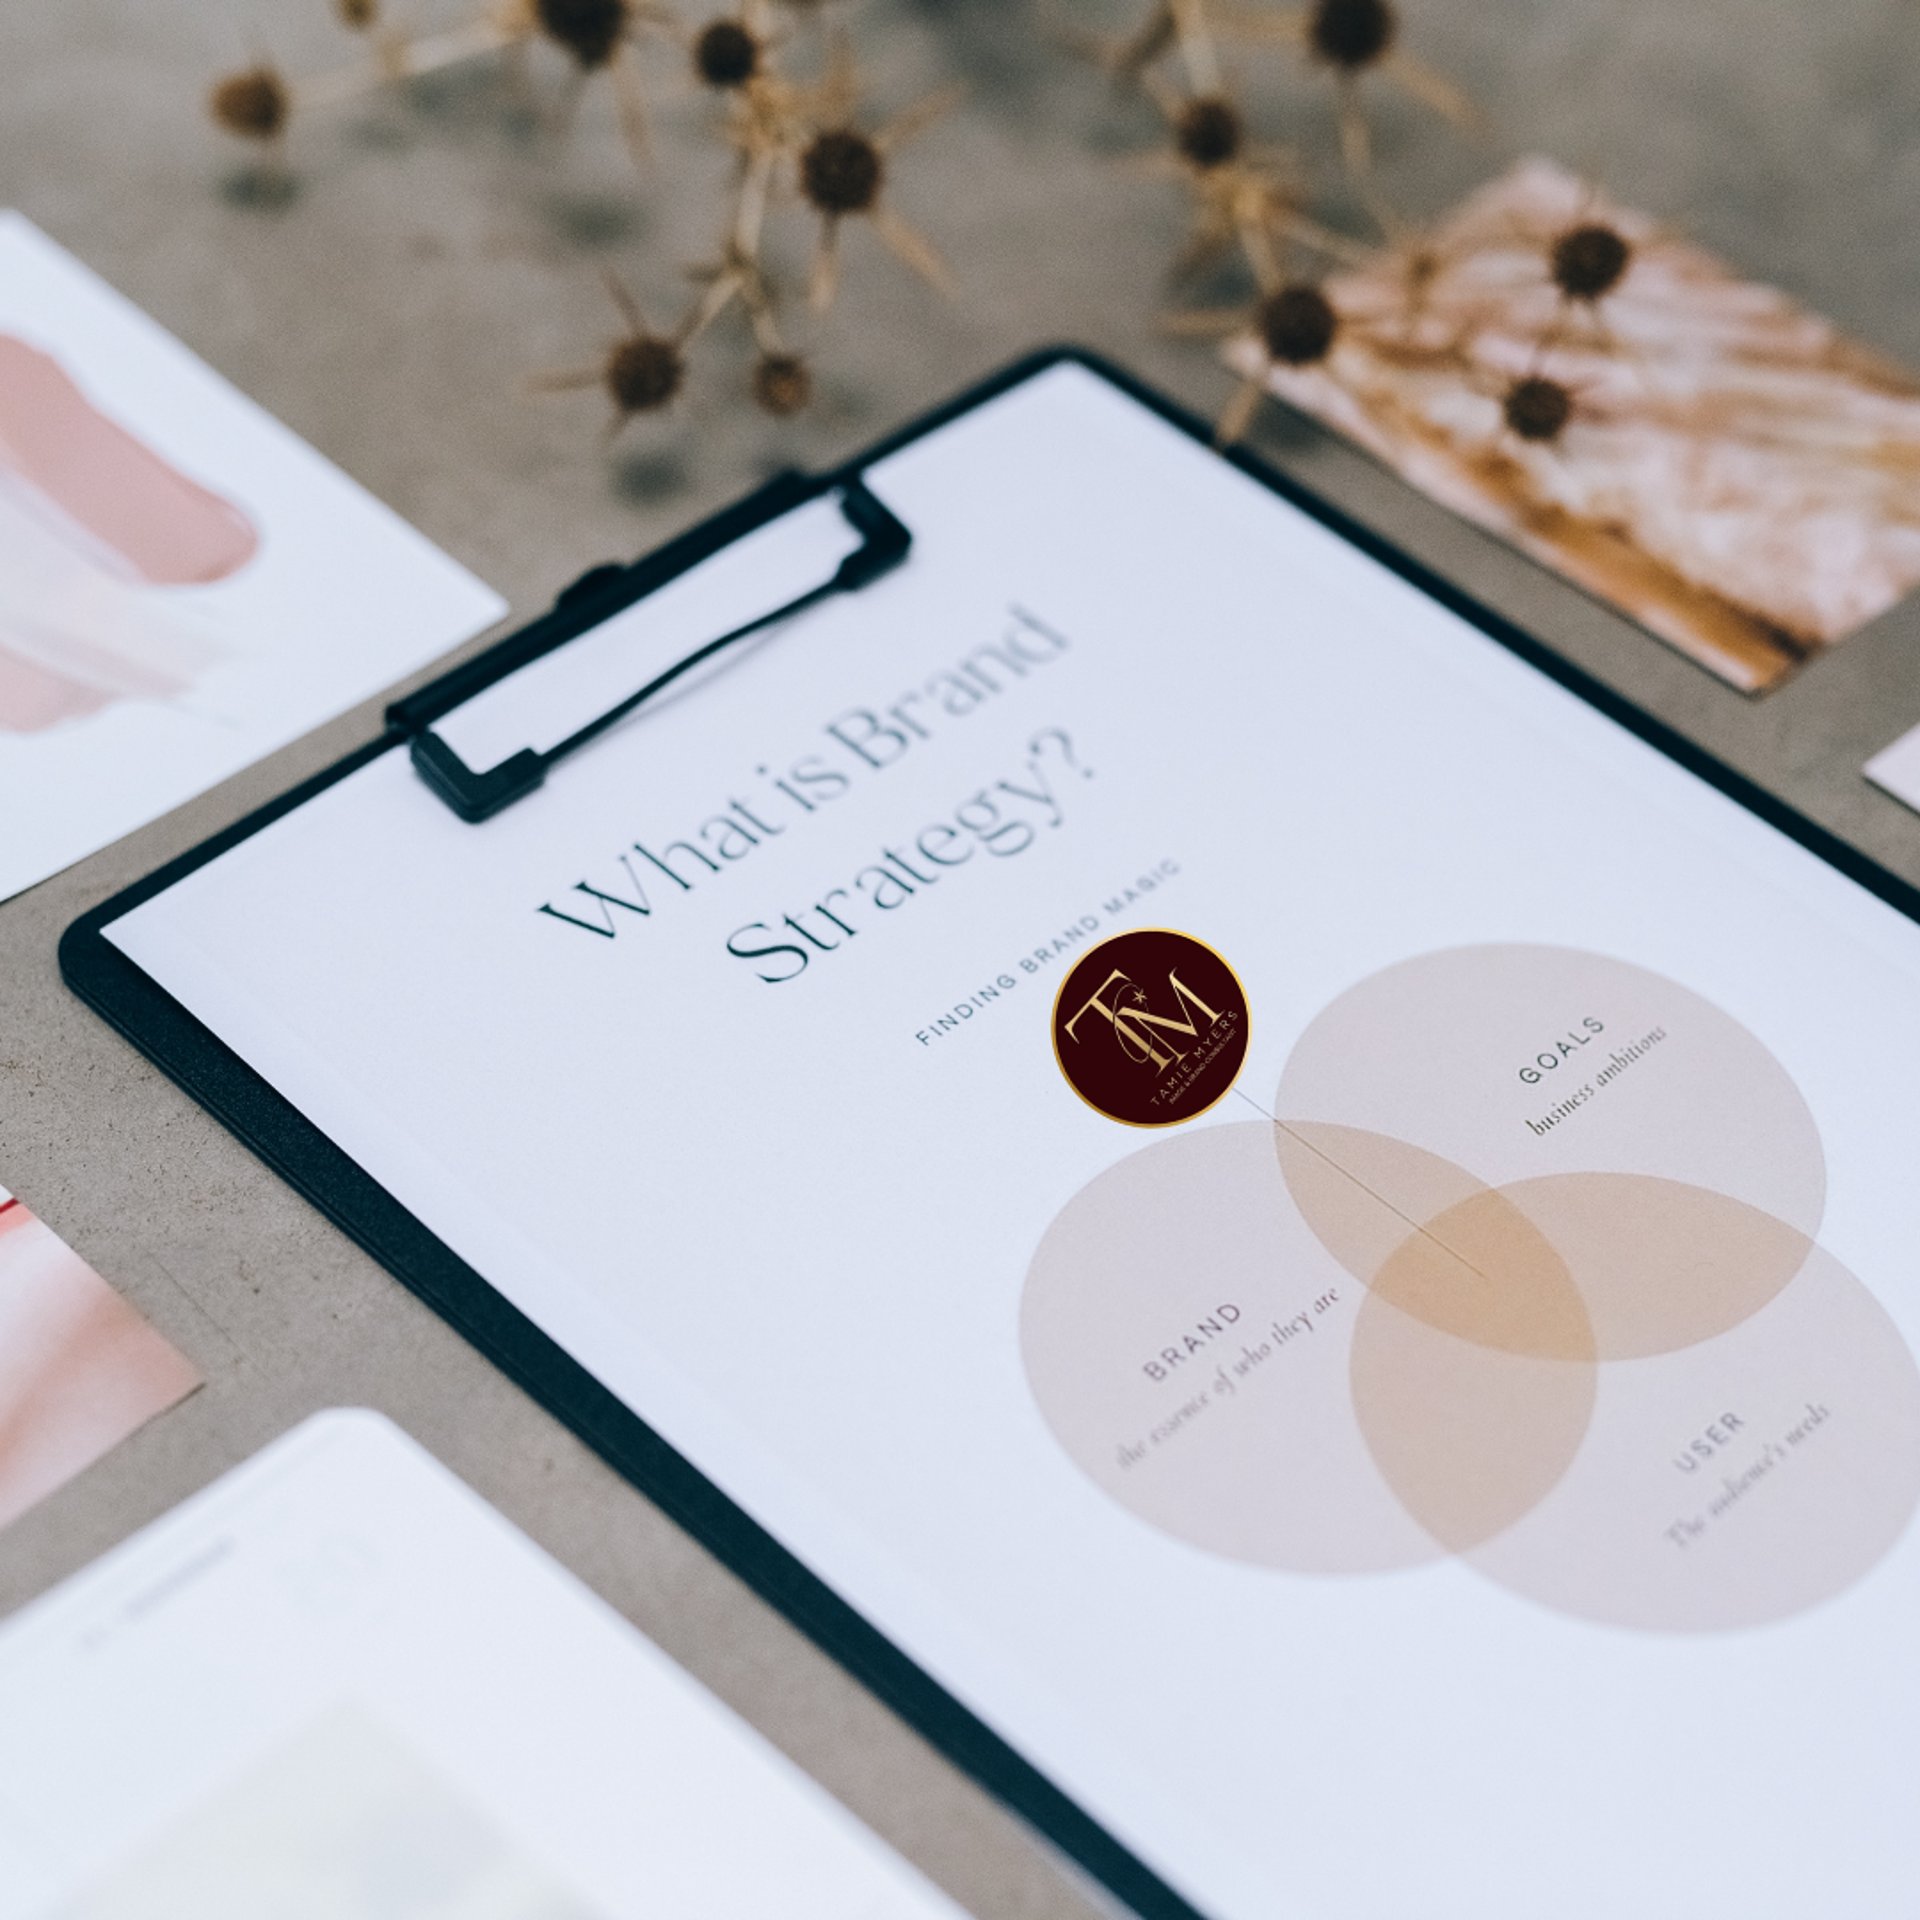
<point x="590" y="30"/>
<point x="1537" y="408"/>
<point x="1590" y="260"/>
<point x="726" y="54"/>
<point x="644" y="373"/>
<point x="782" y="384"/>
<point x="1297" y="325"/>
<point x="841" y="172"/>
<point x="253" y="104"/>
<point x="1209" y="132"/>
<point x="1352" y="34"/>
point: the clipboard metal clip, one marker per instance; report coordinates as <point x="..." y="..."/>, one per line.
<point x="475" y="796"/>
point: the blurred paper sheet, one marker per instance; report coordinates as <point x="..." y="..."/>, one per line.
<point x="336" y="1685"/>
<point x="341" y="1821"/>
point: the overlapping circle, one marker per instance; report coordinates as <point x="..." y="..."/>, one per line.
<point x="1522" y="1273"/>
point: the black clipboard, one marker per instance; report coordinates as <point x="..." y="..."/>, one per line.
<point x="159" y="1027"/>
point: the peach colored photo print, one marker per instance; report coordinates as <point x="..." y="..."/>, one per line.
<point x="79" y="1368"/>
<point x="184" y="584"/>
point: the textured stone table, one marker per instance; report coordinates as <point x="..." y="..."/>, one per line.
<point x="436" y="254"/>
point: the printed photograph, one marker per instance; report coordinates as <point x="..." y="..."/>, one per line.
<point x="1693" y="447"/>
<point x="80" y="1369"/>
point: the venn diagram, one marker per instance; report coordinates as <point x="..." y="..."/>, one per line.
<point x="1521" y="1273"/>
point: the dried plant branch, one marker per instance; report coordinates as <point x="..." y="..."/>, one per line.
<point x="800" y="143"/>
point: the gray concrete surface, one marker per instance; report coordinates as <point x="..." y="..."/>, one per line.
<point x="435" y="254"/>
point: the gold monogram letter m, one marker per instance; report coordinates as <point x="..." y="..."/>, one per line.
<point x="1133" y="1026"/>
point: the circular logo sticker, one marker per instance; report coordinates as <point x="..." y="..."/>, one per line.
<point x="1151" y="1027"/>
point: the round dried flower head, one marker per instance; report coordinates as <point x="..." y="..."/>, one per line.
<point x="254" y="104"/>
<point x="782" y="384"/>
<point x="644" y="373"/>
<point x="1209" y="132"/>
<point x="1537" y="408"/>
<point x="1297" y="325"/>
<point x="841" y="172"/>
<point x="590" y="30"/>
<point x="1352" y="34"/>
<point x="359" y="15"/>
<point x="1590" y="260"/>
<point x="726" y="54"/>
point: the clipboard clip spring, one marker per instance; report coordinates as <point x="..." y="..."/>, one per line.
<point x="885" y="541"/>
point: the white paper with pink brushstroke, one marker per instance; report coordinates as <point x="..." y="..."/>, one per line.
<point x="145" y="660"/>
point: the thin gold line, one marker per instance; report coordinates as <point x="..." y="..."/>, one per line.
<point x="1319" y="1153"/>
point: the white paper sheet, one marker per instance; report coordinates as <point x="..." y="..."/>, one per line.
<point x="1895" y="769"/>
<point x="185" y="585"/>
<point x="338" y="1686"/>
<point x="1333" y="1585"/>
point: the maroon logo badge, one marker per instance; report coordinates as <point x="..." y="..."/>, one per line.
<point x="1150" y="1027"/>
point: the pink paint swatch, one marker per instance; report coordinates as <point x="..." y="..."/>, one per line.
<point x="95" y="527"/>
<point x="80" y="1369"/>
<point x="141" y="513"/>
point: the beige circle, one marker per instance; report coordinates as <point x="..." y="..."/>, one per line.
<point x="1572" y="1266"/>
<point x="1451" y="1253"/>
<point x="1659" y="1264"/>
<point x="1470" y="1436"/>
<point x="1668" y="1159"/>
<point x="1189" y="1343"/>
<point x="1803" y="1429"/>
<point x="1431" y="1051"/>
